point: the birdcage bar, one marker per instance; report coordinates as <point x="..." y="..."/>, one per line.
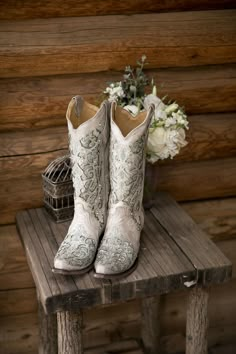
<point x="58" y="189"/>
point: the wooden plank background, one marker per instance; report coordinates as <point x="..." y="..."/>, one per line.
<point x="25" y="9"/>
<point x="113" y="41"/>
<point x="53" y="50"/>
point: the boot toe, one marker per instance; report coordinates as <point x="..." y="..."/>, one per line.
<point x="75" y="255"/>
<point x="114" y="256"/>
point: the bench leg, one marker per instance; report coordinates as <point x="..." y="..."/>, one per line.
<point x="69" y="332"/>
<point x="197" y="321"/>
<point x="47" y="332"/>
<point x="151" y="324"/>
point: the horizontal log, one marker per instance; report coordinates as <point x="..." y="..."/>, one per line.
<point x="33" y="141"/>
<point x="15" y="9"/>
<point x="197" y="180"/>
<point x="219" y="222"/>
<point x="17" y="301"/>
<point x="205" y="179"/>
<point x="41" y="102"/>
<point x="210" y="136"/>
<point x="100" y="43"/>
<point x="14" y="271"/>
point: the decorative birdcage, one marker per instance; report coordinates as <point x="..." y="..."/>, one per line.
<point x="58" y="189"/>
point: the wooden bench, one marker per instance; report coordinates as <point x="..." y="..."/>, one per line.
<point x="175" y="254"/>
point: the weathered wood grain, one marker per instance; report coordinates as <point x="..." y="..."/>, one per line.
<point x="206" y="179"/>
<point x="47" y="332"/>
<point x="24" y="300"/>
<point x="211" y="264"/>
<point x="219" y="221"/>
<point x="166" y="260"/>
<point x="66" y="45"/>
<point x="150" y="322"/>
<point x="210" y="136"/>
<point x="197" y="321"/>
<point x="14" y="271"/>
<point x="69" y="332"/>
<point x="15" y="9"/>
<point x="17" y="301"/>
<point x="19" y="334"/>
<point x="33" y="141"/>
<point x="41" y="102"/>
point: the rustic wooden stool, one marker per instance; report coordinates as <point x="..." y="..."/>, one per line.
<point x="175" y="253"/>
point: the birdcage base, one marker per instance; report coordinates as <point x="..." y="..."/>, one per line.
<point x="60" y="215"/>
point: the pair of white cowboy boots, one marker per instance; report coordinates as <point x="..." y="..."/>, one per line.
<point x="107" y="147"/>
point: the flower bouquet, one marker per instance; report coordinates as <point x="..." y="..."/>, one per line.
<point x="167" y="129"/>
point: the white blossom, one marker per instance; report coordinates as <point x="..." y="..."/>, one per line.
<point x="163" y="143"/>
<point x="114" y="91"/>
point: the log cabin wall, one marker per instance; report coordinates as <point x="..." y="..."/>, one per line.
<point x="52" y="50"/>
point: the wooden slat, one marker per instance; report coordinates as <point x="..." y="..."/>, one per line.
<point x="44" y="288"/>
<point x="66" y="293"/>
<point x="210" y="136"/>
<point x="44" y="233"/>
<point x="55" y="234"/>
<point x="161" y="262"/>
<point x="15" y="9"/>
<point x="25" y="300"/>
<point x="203" y="253"/>
<point x="166" y="259"/>
<point x="66" y="45"/>
<point x="206" y="179"/>
<point x="219" y="223"/>
<point x="42" y="102"/>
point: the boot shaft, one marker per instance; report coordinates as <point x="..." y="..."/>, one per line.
<point x="127" y="160"/>
<point x="88" y="130"/>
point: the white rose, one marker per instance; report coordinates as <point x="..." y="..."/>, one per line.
<point x="156" y="140"/>
<point x="132" y="109"/>
<point x="180" y="138"/>
<point x="163" y="143"/>
<point x="171" y="108"/>
<point x="152" y="99"/>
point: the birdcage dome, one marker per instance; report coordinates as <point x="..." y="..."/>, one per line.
<point x="58" y="189"/>
<point x="59" y="170"/>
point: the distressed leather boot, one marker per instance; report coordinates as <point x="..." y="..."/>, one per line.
<point x="118" y="252"/>
<point x="88" y="128"/>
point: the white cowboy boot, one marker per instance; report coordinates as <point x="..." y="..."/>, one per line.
<point x="119" y="248"/>
<point x="89" y="148"/>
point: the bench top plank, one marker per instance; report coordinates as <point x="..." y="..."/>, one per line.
<point x="173" y="250"/>
<point x="207" y="258"/>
